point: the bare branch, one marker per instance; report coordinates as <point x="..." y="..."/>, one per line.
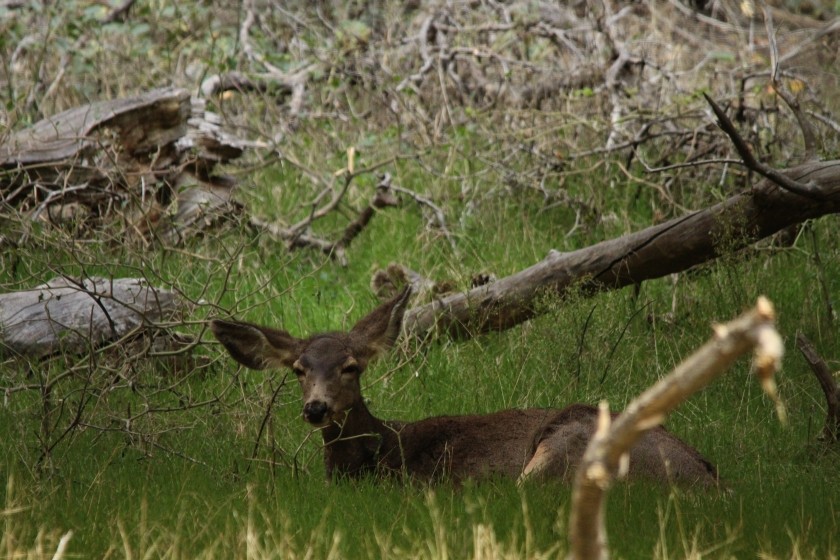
<point x="831" y="429"/>
<point x="118" y="12"/>
<point x="833" y="125"/>
<point x="809" y="190"/>
<point x="295" y="238"/>
<point x="808" y="136"/>
<point x="440" y="217"/>
<point x="612" y="441"/>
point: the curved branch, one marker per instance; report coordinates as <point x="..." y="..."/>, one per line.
<point x="809" y="190"/>
<point x="611" y="442"/>
<point x="831" y="429"/>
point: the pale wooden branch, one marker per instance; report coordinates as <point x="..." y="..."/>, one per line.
<point x="600" y="465"/>
<point x="831" y="429"/>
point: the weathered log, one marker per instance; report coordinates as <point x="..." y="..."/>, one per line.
<point x="140" y="123"/>
<point x="74" y="316"/>
<point x="831" y="429"/>
<point x="673" y="246"/>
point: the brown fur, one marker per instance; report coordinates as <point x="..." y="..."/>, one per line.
<point x="535" y="443"/>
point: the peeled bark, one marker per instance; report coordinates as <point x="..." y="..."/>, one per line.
<point x="673" y="246"/>
<point x="153" y="154"/>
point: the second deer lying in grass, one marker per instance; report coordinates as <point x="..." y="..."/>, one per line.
<point x="516" y="443"/>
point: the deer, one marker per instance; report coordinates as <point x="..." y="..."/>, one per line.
<point x="523" y="444"/>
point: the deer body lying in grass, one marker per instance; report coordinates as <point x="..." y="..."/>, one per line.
<point x="525" y="443"/>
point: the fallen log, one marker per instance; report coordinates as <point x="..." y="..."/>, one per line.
<point x="74" y="316"/>
<point x="659" y="250"/>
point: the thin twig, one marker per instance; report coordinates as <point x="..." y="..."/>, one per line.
<point x="269" y="407"/>
<point x="808" y="136"/>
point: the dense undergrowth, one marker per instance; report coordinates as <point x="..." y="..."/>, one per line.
<point x="205" y="470"/>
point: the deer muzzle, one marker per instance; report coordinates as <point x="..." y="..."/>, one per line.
<point x="316" y="413"/>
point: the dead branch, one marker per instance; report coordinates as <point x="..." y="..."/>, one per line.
<point x="395" y="277"/>
<point x="118" y="12"/>
<point x="808" y="136"/>
<point x="293" y="85"/>
<point x="388" y="282"/>
<point x="295" y="238"/>
<point x="669" y="247"/>
<point x="754" y="330"/>
<point x="383" y="198"/>
<point x="809" y="190"/>
<point x="273" y="77"/>
<point x="831" y="429"/>
<point x="439" y="216"/>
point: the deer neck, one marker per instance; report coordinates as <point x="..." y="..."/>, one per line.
<point x="352" y="447"/>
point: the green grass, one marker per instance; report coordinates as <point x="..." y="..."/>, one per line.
<point x="189" y="487"/>
<point x="185" y="481"/>
<point x="186" y="485"/>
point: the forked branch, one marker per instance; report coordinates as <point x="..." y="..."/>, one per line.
<point x="600" y="465"/>
<point x="296" y="237"/>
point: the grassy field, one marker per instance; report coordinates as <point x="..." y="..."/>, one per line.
<point x="204" y="471"/>
<point x="190" y="486"/>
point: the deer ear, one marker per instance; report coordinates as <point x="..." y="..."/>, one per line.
<point x="256" y="347"/>
<point x="379" y="329"/>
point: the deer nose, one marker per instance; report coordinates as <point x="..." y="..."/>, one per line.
<point x="314" y="412"/>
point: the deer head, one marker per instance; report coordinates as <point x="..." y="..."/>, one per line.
<point x="328" y="366"/>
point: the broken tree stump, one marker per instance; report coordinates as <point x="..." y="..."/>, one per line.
<point x="145" y="162"/>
